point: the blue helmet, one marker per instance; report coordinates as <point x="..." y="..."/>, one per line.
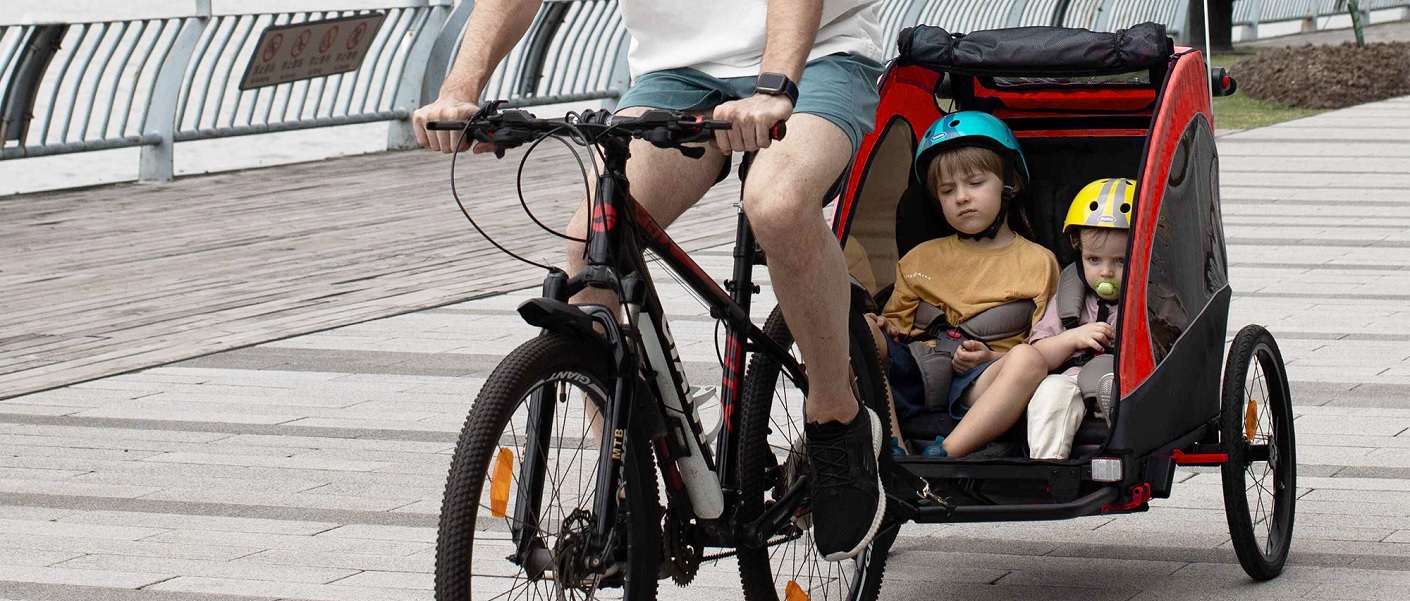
<point x="971" y="128"/>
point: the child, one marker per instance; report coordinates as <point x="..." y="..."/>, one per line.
<point x="971" y="164"/>
<point x="1097" y="223"/>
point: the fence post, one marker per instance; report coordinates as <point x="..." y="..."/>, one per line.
<point x="411" y="94"/>
<point x="1309" y="23"/>
<point x="156" y="164"/>
<point x="1015" y="18"/>
<point x="1181" y="22"/>
<point x="1103" y="20"/>
<point x="444" y="49"/>
<point x="621" y="73"/>
<point x="911" y="18"/>
<point x="1256" y="17"/>
<point x="17" y="103"/>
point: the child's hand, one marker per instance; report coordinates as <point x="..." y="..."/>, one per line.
<point x="885" y="326"/>
<point x="1096" y="336"/>
<point x="970" y="355"/>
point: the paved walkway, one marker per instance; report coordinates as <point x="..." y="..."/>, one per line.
<point x="311" y="467"/>
<point x="111" y="279"/>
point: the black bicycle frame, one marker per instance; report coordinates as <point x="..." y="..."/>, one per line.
<point x="618" y="228"/>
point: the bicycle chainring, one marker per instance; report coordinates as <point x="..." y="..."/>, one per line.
<point x="681" y="554"/>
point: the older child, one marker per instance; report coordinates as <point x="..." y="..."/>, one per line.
<point x="971" y="164"/>
<point x="1097" y="223"/>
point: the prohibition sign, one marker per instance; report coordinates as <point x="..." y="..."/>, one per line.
<point x="356" y="37"/>
<point x="327" y="41"/>
<point x="272" y="48"/>
<point x="300" y="43"/>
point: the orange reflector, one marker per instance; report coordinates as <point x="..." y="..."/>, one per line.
<point x="793" y="592"/>
<point x="1251" y="419"/>
<point x="499" y="482"/>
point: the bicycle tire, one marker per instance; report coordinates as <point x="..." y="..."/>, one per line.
<point x="550" y="358"/>
<point x="1255" y="348"/>
<point x="856" y="579"/>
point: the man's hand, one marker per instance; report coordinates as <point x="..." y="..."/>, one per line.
<point x="970" y="355"/>
<point x="1097" y="336"/>
<point x="753" y="117"/>
<point x="446" y="109"/>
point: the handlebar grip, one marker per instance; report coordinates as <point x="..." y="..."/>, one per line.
<point x="778" y="131"/>
<point x="446" y="125"/>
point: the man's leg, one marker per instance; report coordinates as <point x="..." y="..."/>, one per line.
<point x="664" y="181"/>
<point x="783" y="198"/>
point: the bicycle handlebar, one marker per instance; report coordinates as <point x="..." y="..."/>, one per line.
<point x="664" y="129"/>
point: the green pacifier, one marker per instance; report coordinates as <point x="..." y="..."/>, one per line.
<point x="1107" y="289"/>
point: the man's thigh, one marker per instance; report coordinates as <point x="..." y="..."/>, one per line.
<point x="664" y="181"/>
<point x="836" y="106"/>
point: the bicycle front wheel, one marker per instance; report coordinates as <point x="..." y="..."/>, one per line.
<point x="518" y="512"/>
<point x="772" y="455"/>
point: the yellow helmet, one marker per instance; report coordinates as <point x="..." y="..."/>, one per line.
<point x="1102" y="203"/>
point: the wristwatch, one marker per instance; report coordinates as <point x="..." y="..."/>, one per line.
<point x="777" y="84"/>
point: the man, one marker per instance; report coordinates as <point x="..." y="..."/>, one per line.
<point x="811" y="63"/>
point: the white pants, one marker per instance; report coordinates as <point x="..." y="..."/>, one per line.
<point x="1053" y="417"/>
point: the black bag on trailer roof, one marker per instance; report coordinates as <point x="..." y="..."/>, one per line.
<point x="1037" y="51"/>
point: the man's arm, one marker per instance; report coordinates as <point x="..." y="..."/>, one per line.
<point x="494" y="28"/>
<point x="792" y="27"/>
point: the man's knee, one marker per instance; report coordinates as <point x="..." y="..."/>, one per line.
<point x="777" y="208"/>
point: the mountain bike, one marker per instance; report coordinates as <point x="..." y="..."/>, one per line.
<point x="553" y="490"/>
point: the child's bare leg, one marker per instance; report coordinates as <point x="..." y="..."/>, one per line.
<point x="883" y="353"/>
<point x="1000" y="396"/>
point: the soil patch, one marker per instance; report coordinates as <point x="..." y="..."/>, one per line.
<point x="1326" y="77"/>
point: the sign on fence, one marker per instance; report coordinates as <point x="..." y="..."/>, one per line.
<point x="314" y="49"/>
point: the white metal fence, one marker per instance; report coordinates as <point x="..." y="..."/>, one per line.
<point x="83" y="75"/>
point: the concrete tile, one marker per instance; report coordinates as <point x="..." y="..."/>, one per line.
<point x="271" y="462"/>
<point x="100" y="578"/>
<point x="384" y="533"/>
<point x="283" y="590"/>
<point x="384" y="563"/>
<point x="396" y="580"/>
<point x="317" y="544"/>
<point x="210" y="569"/>
<point x="32" y="558"/>
<point x="170" y="521"/>
<point x="45" y="542"/>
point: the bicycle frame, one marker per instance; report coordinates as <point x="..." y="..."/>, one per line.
<point x="641" y="341"/>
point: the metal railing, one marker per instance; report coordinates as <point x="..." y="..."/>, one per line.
<point x="83" y="75"/>
<point x="1309" y="15"/>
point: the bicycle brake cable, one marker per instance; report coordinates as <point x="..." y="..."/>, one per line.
<point x="519" y="185"/>
<point x="456" y="195"/>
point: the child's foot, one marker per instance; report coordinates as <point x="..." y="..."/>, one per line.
<point x="848" y="502"/>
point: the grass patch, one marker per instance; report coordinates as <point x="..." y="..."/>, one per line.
<point x="1242" y="112"/>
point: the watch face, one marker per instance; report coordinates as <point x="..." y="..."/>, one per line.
<point x="770" y="82"/>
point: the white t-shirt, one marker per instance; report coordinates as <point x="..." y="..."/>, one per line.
<point x="725" y="38"/>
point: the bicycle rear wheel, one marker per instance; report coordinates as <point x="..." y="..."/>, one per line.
<point x="772" y="455"/>
<point x="523" y="482"/>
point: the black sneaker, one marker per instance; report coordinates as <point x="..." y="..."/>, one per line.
<point x="848" y="502"/>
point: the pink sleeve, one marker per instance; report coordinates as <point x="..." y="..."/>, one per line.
<point x="1050" y="325"/>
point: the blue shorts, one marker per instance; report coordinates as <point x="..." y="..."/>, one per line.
<point x="838" y="87"/>
<point x="907" y="389"/>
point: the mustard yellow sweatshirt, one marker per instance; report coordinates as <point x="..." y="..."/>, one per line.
<point x="965" y="281"/>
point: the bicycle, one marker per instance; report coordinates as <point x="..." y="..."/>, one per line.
<point x="553" y="486"/>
